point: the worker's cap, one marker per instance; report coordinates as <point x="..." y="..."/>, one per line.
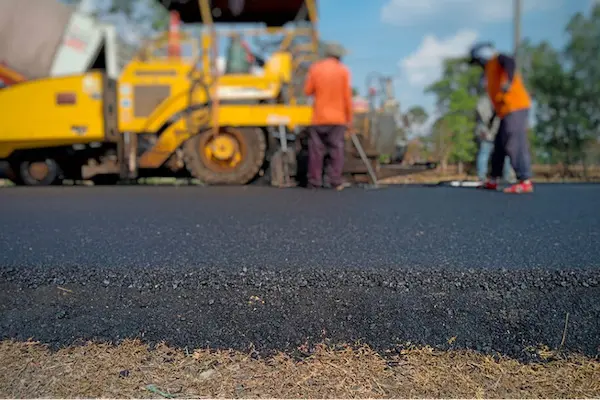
<point x="481" y="53"/>
<point x="334" y="49"/>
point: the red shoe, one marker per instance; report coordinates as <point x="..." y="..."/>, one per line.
<point x="489" y="185"/>
<point x="521" y="187"/>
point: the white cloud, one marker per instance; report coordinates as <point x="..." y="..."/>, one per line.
<point x="425" y="64"/>
<point x="412" y="12"/>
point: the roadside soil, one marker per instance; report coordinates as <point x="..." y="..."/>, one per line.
<point x="541" y="174"/>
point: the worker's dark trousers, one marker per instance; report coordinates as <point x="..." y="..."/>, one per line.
<point x="512" y="140"/>
<point x="325" y="139"/>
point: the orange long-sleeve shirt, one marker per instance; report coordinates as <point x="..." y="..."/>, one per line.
<point x="499" y="71"/>
<point x="328" y="81"/>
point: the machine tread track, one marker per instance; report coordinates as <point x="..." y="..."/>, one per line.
<point x="256" y="145"/>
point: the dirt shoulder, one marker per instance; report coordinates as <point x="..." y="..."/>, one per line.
<point x="541" y="174"/>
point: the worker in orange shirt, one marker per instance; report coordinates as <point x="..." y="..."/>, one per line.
<point x="512" y="104"/>
<point x="328" y="82"/>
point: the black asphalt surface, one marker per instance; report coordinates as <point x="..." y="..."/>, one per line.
<point x="256" y="266"/>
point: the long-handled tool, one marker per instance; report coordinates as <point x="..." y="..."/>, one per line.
<point x="363" y="156"/>
<point x="284" y="149"/>
<point x="280" y="162"/>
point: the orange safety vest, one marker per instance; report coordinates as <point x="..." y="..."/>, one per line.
<point x="517" y="98"/>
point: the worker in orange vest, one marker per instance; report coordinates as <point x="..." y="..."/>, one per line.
<point x="512" y="104"/>
<point x="328" y="82"/>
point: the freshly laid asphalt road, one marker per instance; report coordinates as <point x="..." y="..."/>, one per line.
<point x="256" y="227"/>
<point x="231" y="267"/>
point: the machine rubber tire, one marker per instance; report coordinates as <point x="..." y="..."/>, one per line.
<point x="256" y="146"/>
<point x="25" y="178"/>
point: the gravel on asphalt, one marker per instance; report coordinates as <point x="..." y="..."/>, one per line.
<point x="516" y="312"/>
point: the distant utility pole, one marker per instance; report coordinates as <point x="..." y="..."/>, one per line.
<point x="517" y="29"/>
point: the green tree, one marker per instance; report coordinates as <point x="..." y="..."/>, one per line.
<point x="409" y="122"/>
<point x="416" y="115"/>
<point x="583" y="55"/>
<point x="147" y="16"/>
<point x="551" y="86"/>
<point x="456" y="97"/>
<point x="565" y="84"/>
<point x="438" y="144"/>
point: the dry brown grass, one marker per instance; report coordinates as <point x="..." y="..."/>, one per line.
<point x="101" y="370"/>
<point x="541" y="173"/>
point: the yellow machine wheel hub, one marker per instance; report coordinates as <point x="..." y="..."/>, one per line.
<point x="39" y="170"/>
<point x="223" y="150"/>
<point x="223" y="147"/>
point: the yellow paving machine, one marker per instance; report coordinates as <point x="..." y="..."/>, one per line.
<point x="178" y="108"/>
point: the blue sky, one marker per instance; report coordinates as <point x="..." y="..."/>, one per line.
<point x="407" y="39"/>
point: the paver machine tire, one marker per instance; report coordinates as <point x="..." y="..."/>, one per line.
<point x="42" y="171"/>
<point x="232" y="157"/>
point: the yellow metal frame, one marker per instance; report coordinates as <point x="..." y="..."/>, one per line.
<point x="195" y="103"/>
<point x="191" y="86"/>
<point x="51" y="112"/>
<point x="210" y="40"/>
<point x="229" y="115"/>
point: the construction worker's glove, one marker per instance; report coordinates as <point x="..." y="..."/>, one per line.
<point x="480" y="132"/>
<point x="505" y="87"/>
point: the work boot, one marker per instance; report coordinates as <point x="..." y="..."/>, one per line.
<point x="490" y="184"/>
<point x="521" y="187"/>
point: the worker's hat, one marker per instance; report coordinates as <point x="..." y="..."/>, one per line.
<point x="481" y="53"/>
<point x="334" y="49"/>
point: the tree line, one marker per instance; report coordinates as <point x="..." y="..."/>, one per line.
<point x="565" y="87"/>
